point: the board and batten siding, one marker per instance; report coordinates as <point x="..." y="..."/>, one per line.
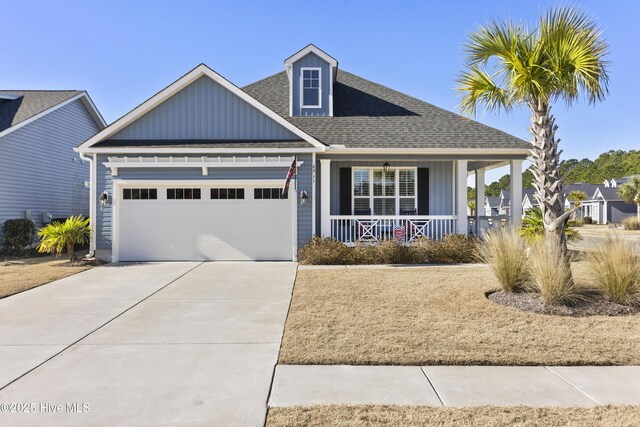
<point x="311" y="60"/>
<point x="104" y="183"/>
<point x="440" y="183"/>
<point x="205" y="110"/>
<point x="40" y="172"/>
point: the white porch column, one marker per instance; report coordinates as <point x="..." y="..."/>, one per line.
<point x="516" y="192"/>
<point x="461" y="197"/>
<point x="325" y="197"/>
<point x="479" y="192"/>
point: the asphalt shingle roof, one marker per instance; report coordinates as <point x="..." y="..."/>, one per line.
<point x="588" y="189"/>
<point x="369" y="115"/>
<point x="610" y="193"/>
<point x="30" y="103"/>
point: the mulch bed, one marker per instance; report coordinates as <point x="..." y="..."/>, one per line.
<point x="533" y="302"/>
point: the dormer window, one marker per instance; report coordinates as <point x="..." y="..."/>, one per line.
<point x="310" y="95"/>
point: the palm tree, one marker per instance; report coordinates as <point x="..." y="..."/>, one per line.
<point x="509" y="65"/>
<point x="630" y="192"/>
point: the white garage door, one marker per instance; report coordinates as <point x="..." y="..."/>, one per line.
<point x="195" y="222"/>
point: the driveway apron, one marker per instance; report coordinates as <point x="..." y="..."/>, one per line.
<point x="146" y="344"/>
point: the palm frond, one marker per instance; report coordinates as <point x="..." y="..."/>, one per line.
<point x="575" y="54"/>
<point x="478" y="87"/>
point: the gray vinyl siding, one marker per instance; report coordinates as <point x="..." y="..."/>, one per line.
<point x="40" y="172"/>
<point x="311" y="60"/>
<point x="440" y="183"/>
<point x="618" y="211"/>
<point x="205" y="110"/>
<point x="104" y="183"/>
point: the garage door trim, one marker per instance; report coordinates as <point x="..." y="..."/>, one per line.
<point x="118" y="184"/>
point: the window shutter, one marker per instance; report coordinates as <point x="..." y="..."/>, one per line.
<point x="423" y="191"/>
<point x="345" y="191"/>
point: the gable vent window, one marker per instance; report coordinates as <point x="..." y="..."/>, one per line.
<point x="139" y="194"/>
<point x="311" y="95"/>
<point x="183" y="193"/>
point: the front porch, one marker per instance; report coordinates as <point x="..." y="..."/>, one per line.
<point x="373" y="200"/>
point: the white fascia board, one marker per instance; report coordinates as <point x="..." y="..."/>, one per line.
<point x="93" y="110"/>
<point x="184" y="81"/>
<point x="311" y="49"/>
<point x="82" y="96"/>
<point x="488" y="151"/>
<point x="191" y="150"/>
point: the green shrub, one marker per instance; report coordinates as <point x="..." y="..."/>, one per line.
<point x="319" y="251"/>
<point x="505" y="252"/>
<point x="533" y="227"/>
<point x="58" y="237"/>
<point x="551" y="276"/>
<point x="18" y="235"/>
<point x="616" y="269"/>
<point x="587" y="220"/>
<point x="631" y="223"/>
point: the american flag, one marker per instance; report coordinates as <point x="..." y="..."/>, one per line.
<point x="293" y="169"/>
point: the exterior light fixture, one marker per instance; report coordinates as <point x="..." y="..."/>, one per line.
<point x="386" y="167"/>
<point x="104" y="198"/>
<point x="303" y="197"/>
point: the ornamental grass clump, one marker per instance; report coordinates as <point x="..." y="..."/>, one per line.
<point x="551" y="277"/>
<point x="616" y="269"/>
<point x="505" y="252"/>
<point x="631" y="223"/>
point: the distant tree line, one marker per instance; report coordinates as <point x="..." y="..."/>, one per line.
<point x="612" y="164"/>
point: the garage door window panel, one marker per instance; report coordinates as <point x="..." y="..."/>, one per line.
<point x="139" y="193"/>
<point x="227" y="193"/>
<point x="183" y="194"/>
<point x="268" y="194"/>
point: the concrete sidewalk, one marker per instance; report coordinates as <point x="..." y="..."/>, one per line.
<point x="458" y="386"/>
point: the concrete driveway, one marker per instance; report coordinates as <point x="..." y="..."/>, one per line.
<point x="145" y="344"/>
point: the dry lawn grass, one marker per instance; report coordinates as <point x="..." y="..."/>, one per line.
<point x="439" y="315"/>
<point x="488" y="416"/>
<point x="20" y="275"/>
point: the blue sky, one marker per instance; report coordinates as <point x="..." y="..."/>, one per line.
<point x="122" y="52"/>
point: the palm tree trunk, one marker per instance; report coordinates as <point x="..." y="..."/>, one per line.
<point x="548" y="183"/>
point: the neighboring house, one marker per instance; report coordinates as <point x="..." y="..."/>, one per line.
<point x="587" y="189"/>
<point x="616" y="182"/>
<point x="528" y="200"/>
<point x="492" y="206"/>
<point x="605" y="206"/>
<point x="40" y="175"/>
<point x="195" y="172"/>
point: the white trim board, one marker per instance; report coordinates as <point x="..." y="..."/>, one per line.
<point x="86" y="101"/>
<point x="311" y="48"/>
<point x="204" y="163"/>
<point x="200" y="71"/>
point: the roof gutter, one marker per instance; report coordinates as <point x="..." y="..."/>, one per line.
<point x="341" y="149"/>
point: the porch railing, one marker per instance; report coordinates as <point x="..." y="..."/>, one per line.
<point x="351" y="228"/>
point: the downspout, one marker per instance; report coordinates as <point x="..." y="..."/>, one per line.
<point x="92" y="201"/>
